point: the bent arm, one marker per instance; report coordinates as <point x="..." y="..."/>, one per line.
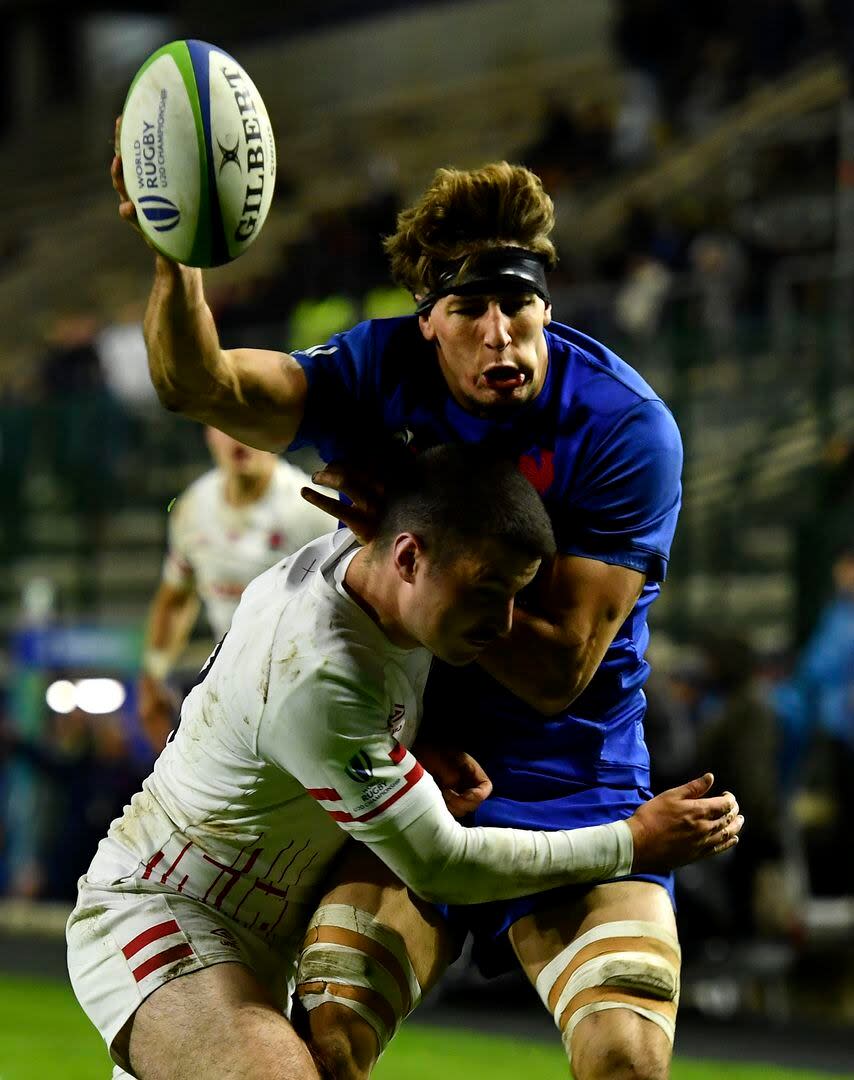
<point x="255" y="395"/>
<point x="444" y="862"/>
<point x="557" y="643"/>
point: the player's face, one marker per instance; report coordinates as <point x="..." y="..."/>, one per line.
<point x="236" y="458"/>
<point x="491" y="349"/>
<point x="458" y="608"/>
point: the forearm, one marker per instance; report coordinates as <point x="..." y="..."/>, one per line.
<point x="444" y="862"/>
<point x="537" y="663"/>
<point x="255" y="395"/>
<point x="170" y="621"/>
<point x="184" y="354"/>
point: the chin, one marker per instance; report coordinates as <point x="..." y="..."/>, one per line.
<point x="493" y="404"/>
<point x="460" y="657"/>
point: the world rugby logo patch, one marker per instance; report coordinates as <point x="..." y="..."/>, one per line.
<point x="359" y="768"/>
<point x="161" y="212"/>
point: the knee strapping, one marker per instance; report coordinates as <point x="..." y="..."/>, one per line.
<point x="630" y="964"/>
<point x="353" y="960"/>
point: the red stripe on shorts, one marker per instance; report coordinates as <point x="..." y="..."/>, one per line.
<point x="177" y="952"/>
<point x="153" y="933"/>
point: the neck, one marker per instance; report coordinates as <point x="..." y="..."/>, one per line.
<point x="241" y="490"/>
<point x="374" y="587"/>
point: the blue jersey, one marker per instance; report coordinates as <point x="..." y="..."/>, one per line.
<point x="605" y="454"/>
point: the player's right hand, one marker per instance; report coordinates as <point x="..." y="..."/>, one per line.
<point x="127" y="210"/>
<point x="682" y="825"/>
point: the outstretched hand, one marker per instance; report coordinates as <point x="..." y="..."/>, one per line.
<point x="682" y="825"/>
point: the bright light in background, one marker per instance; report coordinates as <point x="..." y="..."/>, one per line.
<point x="100" y="695"/>
<point x="61" y="696"/>
<point x="95" y="696"/>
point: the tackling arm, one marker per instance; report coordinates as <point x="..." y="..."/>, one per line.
<point x="444" y="862"/>
<point x="558" y="641"/>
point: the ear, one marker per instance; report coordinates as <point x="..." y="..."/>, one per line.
<point x="406" y="552"/>
<point x="425" y="324"/>
<point x="547" y="315"/>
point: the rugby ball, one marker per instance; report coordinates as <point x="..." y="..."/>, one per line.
<point x="198" y="154"/>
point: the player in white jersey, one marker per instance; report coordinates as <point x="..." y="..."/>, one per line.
<point x="227" y="527"/>
<point x="299" y="736"/>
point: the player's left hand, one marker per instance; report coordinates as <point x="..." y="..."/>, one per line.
<point x="462" y="781"/>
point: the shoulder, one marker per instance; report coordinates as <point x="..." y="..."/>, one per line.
<point x="594" y="369"/>
<point x="288" y="478"/>
<point x="195" y="499"/>
<point x="593" y="381"/>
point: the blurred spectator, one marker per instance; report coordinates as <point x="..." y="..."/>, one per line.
<point x="824" y="531"/>
<point x="88" y="775"/>
<point x="719" y="266"/>
<point x="123" y="359"/>
<point x="16" y="447"/>
<point x="640" y="300"/>
<point x="84" y="430"/>
<point x="739" y="742"/>
<point x="823" y="730"/>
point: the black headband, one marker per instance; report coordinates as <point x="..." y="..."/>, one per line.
<point x="496" y="271"/>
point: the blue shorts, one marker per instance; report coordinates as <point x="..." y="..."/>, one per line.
<point x="584" y="805"/>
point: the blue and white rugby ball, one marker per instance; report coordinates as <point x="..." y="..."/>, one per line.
<point x="198" y="154"/>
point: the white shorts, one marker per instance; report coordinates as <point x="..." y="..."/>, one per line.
<point x="124" y="943"/>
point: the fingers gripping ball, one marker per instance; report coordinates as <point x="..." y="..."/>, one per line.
<point x="198" y="154"/>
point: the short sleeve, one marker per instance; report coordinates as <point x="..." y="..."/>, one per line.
<point x="334" y="738"/>
<point x="628" y="493"/>
<point x="341" y="378"/>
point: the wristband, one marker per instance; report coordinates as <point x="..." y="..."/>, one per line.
<point x="157" y="663"/>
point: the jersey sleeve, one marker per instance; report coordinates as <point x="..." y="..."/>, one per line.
<point x="177" y="567"/>
<point x="333" y="738"/>
<point x="628" y="493"/>
<point x="341" y="401"/>
<point x="332" y="735"/>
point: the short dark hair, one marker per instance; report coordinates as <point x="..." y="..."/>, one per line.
<point x="455" y="496"/>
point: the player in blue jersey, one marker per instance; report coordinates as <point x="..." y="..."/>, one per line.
<point x="557" y="706"/>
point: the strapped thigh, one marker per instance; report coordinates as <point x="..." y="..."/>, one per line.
<point x="353" y="960"/>
<point x="631" y="964"/>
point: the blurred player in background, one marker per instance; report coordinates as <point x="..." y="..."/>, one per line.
<point x="227" y="527"/>
<point x="554" y="711"/>
<point x="191" y="915"/>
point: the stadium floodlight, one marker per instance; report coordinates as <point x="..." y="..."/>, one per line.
<point x="100" y="696"/>
<point x="61" y="696"/>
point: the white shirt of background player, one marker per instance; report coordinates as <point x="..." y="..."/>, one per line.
<point x="226" y="528"/>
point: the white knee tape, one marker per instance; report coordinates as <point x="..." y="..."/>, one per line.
<point x="346" y="965"/>
<point x="362" y="922"/>
<point x="637" y="971"/>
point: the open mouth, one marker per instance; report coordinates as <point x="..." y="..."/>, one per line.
<point x="504" y="377"/>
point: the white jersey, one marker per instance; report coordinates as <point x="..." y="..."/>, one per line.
<point x="218" y="549"/>
<point x="296" y="736"/>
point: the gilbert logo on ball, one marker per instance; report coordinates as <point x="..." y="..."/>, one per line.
<point x="198" y="154"/>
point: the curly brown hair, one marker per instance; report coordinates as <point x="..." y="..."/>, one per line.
<point x="464" y="213"/>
